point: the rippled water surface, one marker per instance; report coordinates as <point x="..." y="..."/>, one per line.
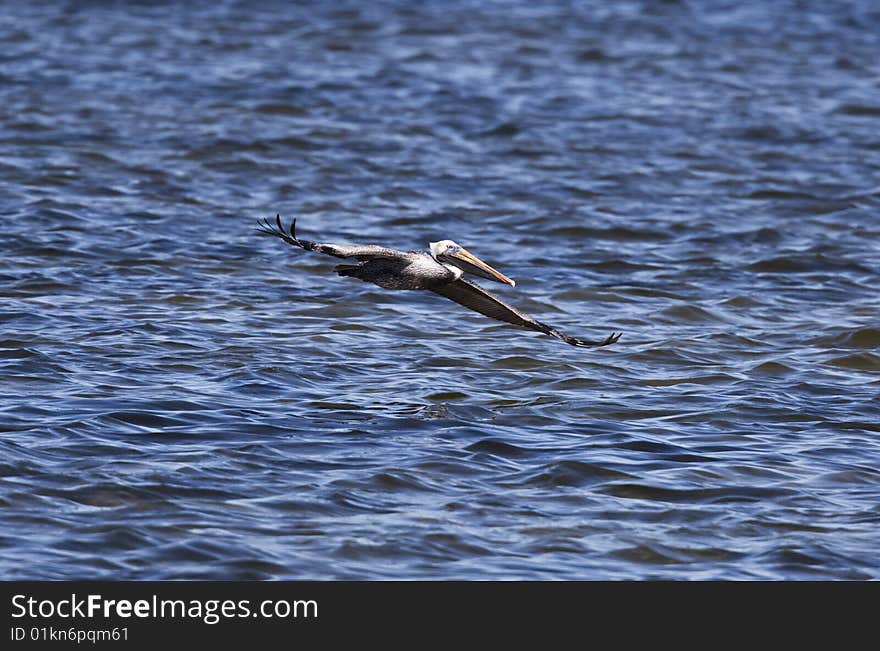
<point x="181" y="397"/>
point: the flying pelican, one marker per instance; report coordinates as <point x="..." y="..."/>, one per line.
<point x="439" y="271"/>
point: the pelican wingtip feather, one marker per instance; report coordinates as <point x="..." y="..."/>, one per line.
<point x="277" y="230"/>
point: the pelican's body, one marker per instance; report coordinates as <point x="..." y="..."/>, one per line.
<point x="439" y="271"/>
<point x="406" y="270"/>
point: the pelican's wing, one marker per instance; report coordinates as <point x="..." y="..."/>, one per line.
<point x="478" y="299"/>
<point x="359" y="251"/>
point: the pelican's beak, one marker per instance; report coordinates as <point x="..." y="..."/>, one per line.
<point x="468" y="262"/>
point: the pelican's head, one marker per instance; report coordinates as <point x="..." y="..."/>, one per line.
<point x="449" y="253"/>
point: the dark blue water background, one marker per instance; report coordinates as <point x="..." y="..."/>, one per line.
<point x="183" y="398"/>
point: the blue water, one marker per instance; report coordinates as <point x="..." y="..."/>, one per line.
<point x="183" y="398"/>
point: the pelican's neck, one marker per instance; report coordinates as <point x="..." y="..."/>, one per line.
<point x="451" y="267"/>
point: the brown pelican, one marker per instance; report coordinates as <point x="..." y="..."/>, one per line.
<point x="439" y="271"/>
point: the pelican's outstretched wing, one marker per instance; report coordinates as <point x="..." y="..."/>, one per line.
<point x="478" y="299"/>
<point x="358" y="251"/>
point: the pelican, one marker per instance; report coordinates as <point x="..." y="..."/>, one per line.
<point x="439" y="271"/>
